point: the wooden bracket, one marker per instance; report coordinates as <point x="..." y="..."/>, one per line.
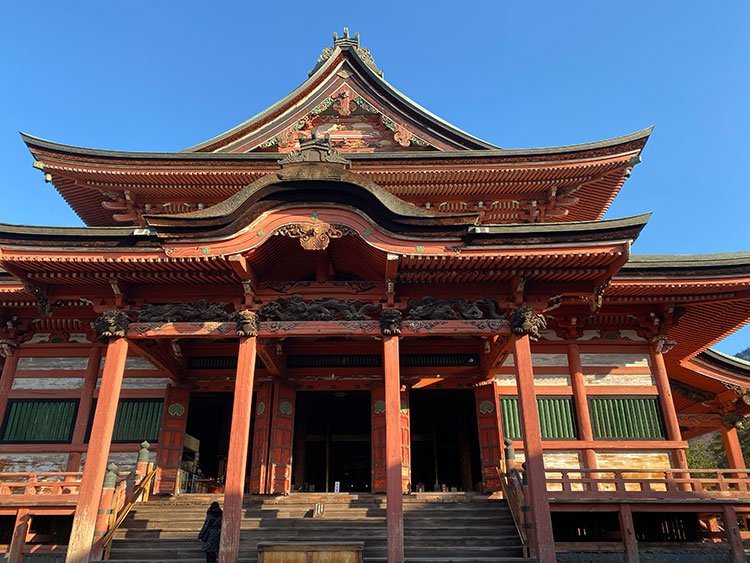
<point x="161" y="356"/>
<point x="496" y="350"/>
<point x="271" y="353"/>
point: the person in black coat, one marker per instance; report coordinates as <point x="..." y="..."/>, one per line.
<point x="210" y="534"/>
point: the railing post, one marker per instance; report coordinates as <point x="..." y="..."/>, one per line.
<point x="141" y="466"/>
<point x="15" y="553"/>
<point x="736" y="548"/>
<point x="104" y="515"/>
<point x="627" y="530"/>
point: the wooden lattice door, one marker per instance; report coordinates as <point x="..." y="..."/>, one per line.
<point x="490" y="434"/>
<point x="282" y="439"/>
<point x="259" y="457"/>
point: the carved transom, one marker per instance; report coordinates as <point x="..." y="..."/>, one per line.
<point x="314" y="237"/>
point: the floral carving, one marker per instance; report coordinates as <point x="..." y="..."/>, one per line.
<point x="314" y="237"/>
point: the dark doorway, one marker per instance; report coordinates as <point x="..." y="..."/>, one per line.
<point x="444" y="440"/>
<point x="332" y="441"/>
<point x="209" y="421"/>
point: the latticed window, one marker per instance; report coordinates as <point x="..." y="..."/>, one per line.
<point x="556" y="418"/>
<point x="626" y="418"/>
<point x="39" y="420"/>
<point x="137" y="420"/>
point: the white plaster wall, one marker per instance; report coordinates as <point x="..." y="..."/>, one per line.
<point x="47" y="383"/>
<point x="25" y="462"/>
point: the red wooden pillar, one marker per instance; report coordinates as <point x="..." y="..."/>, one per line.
<point x="627" y="529"/>
<point x="733" y="448"/>
<point x="259" y="457"/>
<point x="6" y="381"/>
<point x="394" y="501"/>
<point x="82" y="532"/>
<point x="490" y="431"/>
<point x="378" y="438"/>
<point x="667" y="406"/>
<point x="234" y="486"/>
<point x="581" y="403"/>
<point x="532" y="447"/>
<point x="84" y="406"/>
<point x="171" y="439"/>
<point x="279" y="479"/>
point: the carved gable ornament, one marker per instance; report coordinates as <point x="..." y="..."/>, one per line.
<point x="314" y="237"/>
<point x="314" y="151"/>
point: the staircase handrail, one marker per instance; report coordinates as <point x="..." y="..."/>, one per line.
<point x="135" y="494"/>
<point x="511" y="481"/>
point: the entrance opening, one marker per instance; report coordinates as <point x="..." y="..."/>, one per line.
<point x="444" y="441"/>
<point x="332" y="441"/>
<point x="207" y="444"/>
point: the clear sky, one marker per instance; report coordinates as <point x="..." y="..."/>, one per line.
<point x="162" y="76"/>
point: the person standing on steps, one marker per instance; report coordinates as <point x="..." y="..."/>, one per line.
<point x="211" y="532"/>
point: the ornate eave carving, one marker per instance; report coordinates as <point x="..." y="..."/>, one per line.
<point x="247" y="323"/>
<point x="314" y="151"/>
<point x="390" y="322"/>
<point x="314" y="237"/>
<point x="7" y="347"/>
<point x="524" y="321"/>
<point x="743" y="392"/>
<point x="200" y="311"/>
<point x="324" y="309"/>
<point x="691" y="393"/>
<point x="662" y="344"/>
<point x="430" y="308"/>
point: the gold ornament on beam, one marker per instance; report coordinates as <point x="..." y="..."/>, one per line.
<point x="315" y="237"/>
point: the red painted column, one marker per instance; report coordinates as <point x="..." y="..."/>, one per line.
<point x="733" y="448"/>
<point x="82" y="533"/>
<point x="237" y="460"/>
<point x="84" y="406"/>
<point x="394" y="500"/>
<point x="21" y="529"/>
<point x="667" y="406"/>
<point x="736" y="547"/>
<point x="581" y="402"/>
<point x="532" y="447"/>
<point x="6" y="381"/>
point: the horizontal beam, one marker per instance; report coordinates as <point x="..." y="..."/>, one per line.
<point x="548" y="445"/>
<point x="283" y="329"/>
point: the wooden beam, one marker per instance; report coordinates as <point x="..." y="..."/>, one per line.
<point x="82" y="533"/>
<point x="667" y="405"/>
<point x="499" y="347"/>
<point x="237" y="460"/>
<point x="733" y="448"/>
<point x="161" y="356"/>
<point x="627" y="529"/>
<point x="6" y="380"/>
<point x="581" y="403"/>
<point x="268" y="352"/>
<point x="284" y="329"/>
<point x="84" y="406"/>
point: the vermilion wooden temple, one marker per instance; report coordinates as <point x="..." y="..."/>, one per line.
<point x="346" y="293"/>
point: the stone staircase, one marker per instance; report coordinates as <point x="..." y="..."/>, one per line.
<point x="438" y="528"/>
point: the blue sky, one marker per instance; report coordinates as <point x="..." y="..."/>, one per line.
<point x="162" y="76"/>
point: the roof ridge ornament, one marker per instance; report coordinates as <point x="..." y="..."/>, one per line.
<point x="347" y="42"/>
<point x="314" y="150"/>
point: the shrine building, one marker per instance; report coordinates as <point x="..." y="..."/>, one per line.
<point x="359" y="327"/>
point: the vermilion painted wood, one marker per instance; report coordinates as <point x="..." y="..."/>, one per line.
<point x="736" y="548"/>
<point x="394" y="502"/>
<point x="667" y="406"/>
<point x="490" y="432"/>
<point x="585" y="432"/>
<point x="82" y="533"/>
<point x="84" y="406"/>
<point x="6" y="381"/>
<point x="171" y="438"/>
<point x="405" y="425"/>
<point x="627" y="529"/>
<point x="261" y="434"/>
<point x="234" y="486"/>
<point x="279" y="479"/>
<point x="377" y="409"/>
<point x="283" y="329"/>
<point x="532" y="445"/>
<point x="733" y="448"/>
<point x="21" y="528"/>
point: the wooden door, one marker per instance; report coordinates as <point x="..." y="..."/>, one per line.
<point x="405" y="443"/>
<point x="171" y="438"/>
<point x="259" y="457"/>
<point x="377" y="410"/>
<point x="490" y="434"/>
<point x="282" y="439"/>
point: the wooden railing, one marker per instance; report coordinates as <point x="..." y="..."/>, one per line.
<point x="511" y="481"/>
<point x="123" y="503"/>
<point x="52" y="488"/>
<point x="683" y="484"/>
